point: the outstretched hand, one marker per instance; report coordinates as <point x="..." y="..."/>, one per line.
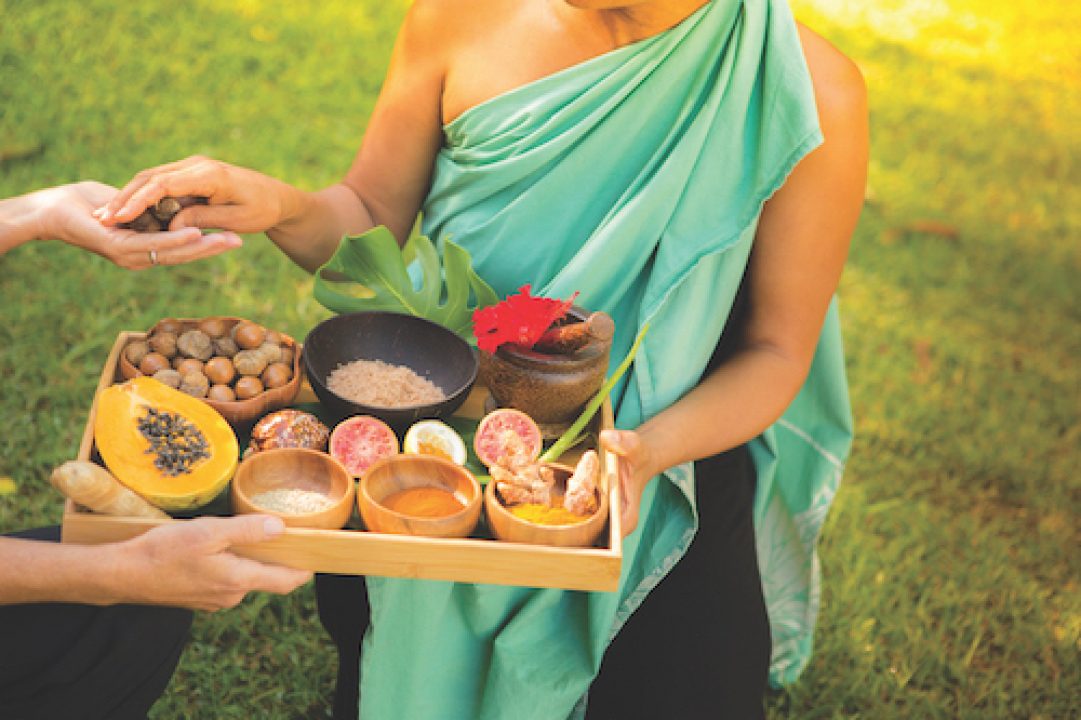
<point x="238" y="199"/>
<point x="66" y="213"/>
<point x="189" y="563"/>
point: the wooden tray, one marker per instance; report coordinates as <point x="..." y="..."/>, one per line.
<point x="359" y="552"/>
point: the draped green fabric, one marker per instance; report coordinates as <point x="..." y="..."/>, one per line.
<point x="636" y="178"/>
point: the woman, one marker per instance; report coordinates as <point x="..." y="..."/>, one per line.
<point x="657" y="157"/>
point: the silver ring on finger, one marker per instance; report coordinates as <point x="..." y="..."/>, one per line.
<point x="153" y="257"/>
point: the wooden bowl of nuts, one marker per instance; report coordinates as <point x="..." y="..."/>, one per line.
<point x="238" y="367"/>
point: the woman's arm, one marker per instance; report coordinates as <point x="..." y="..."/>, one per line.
<point x="385" y="185"/>
<point x="795" y="266"/>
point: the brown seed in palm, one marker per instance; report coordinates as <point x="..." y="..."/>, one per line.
<point x="220" y="370"/>
<point x="165" y="210"/>
<point x="146" y="222"/>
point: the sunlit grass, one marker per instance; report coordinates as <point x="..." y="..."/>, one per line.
<point x="951" y="563"/>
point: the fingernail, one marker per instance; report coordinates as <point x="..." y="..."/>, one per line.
<point x="273" y="526"/>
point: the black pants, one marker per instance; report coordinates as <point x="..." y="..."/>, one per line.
<point x="699" y="645"/>
<point x="82" y="662"/>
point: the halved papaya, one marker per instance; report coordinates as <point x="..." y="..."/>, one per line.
<point x="171" y="448"/>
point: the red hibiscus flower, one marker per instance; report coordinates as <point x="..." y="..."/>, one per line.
<point x="520" y="319"/>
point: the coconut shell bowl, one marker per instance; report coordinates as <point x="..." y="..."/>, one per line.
<point x="270" y="475"/>
<point x="236" y="411"/>
<point x="427" y="348"/>
<point x="550" y="387"/>
<point x="392" y="476"/>
<point x="507" y="526"/>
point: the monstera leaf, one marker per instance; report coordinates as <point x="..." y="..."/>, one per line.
<point x="368" y="272"/>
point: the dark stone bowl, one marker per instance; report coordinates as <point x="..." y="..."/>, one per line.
<point x="429" y="349"/>
<point x="552" y="389"/>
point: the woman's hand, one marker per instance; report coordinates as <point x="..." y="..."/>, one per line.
<point x="66" y="213"/>
<point x="188" y="564"/>
<point x="636" y="468"/>
<point x="239" y="199"/>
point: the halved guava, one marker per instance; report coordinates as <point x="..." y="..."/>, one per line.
<point x="507" y="437"/>
<point x="360" y="441"/>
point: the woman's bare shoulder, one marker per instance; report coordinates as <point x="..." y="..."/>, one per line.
<point x="839" y="86"/>
<point x="442" y="21"/>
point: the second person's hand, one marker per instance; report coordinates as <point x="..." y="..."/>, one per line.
<point x="190" y="564"/>
<point x="66" y="214"/>
<point x="238" y="199"/>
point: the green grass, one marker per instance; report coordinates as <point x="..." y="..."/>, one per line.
<point x="951" y="556"/>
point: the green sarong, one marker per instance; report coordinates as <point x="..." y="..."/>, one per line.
<point x="636" y="178"/>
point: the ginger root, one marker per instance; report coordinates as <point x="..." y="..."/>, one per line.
<point x="93" y="486"/>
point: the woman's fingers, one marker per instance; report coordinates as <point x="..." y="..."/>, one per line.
<point x="109" y="209"/>
<point x="202" y="247"/>
<point x="233" y="217"/>
<point x="196" y="176"/>
<point x="197" y="180"/>
<point x="139" y="251"/>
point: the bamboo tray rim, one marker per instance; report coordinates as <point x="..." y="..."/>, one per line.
<point x="362" y="552"/>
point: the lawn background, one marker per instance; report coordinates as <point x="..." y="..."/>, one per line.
<point x="951" y="555"/>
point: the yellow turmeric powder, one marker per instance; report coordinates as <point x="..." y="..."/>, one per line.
<point x="545" y="515"/>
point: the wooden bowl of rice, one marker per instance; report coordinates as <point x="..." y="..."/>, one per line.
<point x="305" y="488"/>
<point x="398" y="368"/>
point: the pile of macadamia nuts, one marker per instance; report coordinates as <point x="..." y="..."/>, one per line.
<point x="219" y="359"/>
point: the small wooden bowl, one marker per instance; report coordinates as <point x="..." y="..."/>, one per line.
<point x="507" y="526"/>
<point x="237" y="412"/>
<point x="299" y="469"/>
<point x="401" y="472"/>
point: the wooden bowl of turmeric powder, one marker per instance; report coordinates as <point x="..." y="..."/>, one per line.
<point x="548" y="523"/>
<point x="419" y="495"/>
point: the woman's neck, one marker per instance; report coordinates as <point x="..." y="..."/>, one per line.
<point x="632" y="22"/>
